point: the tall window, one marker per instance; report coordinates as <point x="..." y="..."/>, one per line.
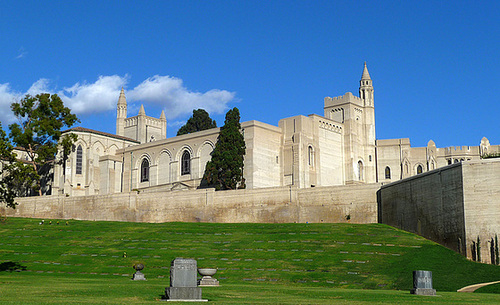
<point x="186" y="163"/>
<point x="311" y="156"/>
<point x="79" y="159"/>
<point x="145" y="170"/>
<point x="360" y="170"/>
<point x="419" y="169"/>
<point x="387" y="172"/>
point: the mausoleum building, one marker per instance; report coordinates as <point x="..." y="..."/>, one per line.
<point x="337" y="148"/>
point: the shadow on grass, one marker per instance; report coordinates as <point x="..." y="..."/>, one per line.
<point x="11" y="266"/>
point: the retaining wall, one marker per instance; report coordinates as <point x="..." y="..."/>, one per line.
<point x="353" y="203"/>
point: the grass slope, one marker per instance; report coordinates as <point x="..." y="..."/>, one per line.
<point x="83" y="262"/>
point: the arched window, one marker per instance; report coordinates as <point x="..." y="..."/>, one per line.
<point x="186" y="163"/>
<point x="145" y="170"/>
<point x="419" y="169"/>
<point x="360" y="170"/>
<point x="79" y="160"/>
<point x="387" y="172"/>
<point x="311" y="156"/>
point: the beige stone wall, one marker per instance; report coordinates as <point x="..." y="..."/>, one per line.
<point x="263" y="156"/>
<point x="482" y="203"/>
<point x="269" y="205"/>
<point x="89" y="181"/>
<point x="404" y="161"/>
<point x="452" y="205"/>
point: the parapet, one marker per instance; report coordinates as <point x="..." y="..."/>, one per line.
<point x="345" y="99"/>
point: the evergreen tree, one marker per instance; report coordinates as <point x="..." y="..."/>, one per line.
<point x="478" y="250"/>
<point x="225" y="170"/>
<point x="200" y="120"/>
<point x="497" y="256"/>
<point x="41" y="118"/>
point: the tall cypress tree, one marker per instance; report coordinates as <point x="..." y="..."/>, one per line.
<point x="225" y="170"/>
<point x="497" y="256"/>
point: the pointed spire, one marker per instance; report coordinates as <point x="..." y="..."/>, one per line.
<point x="366" y="75"/>
<point x="141" y="111"/>
<point x="162" y="115"/>
<point x="122" y="100"/>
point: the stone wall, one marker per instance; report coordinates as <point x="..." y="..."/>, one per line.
<point x="482" y="204"/>
<point x="453" y="205"/>
<point x="356" y="204"/>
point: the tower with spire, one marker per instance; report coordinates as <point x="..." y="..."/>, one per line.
<point x="141" y="127"/>
<point x="366" y="88"/>
<point x="121" y="114"/>
<point x="357" y="116"/>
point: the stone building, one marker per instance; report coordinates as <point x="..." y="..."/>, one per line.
<point x="338" y="148"/>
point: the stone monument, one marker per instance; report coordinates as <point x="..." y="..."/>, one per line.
<point x="183" y="286"/>
<point x="422" y="283"/>
<point x="207" y="279"/>
<point x="138" y="275"/>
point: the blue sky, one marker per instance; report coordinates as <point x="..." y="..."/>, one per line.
<point x="434" y="64"/>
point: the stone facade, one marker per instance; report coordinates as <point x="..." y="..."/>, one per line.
<point x="396" y="159"/>
<point x="338" y="148"/>
<point x="335" y="149"/>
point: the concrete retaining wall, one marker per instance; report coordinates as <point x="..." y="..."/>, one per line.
<point x="452" y="205"/>
<point x="355" y="203"/>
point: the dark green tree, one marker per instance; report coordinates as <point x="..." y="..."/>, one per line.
<point x="225" y="170"/>
<point x="41" y="119"/>
<point x="478" y="249"/>
<point x="497" y="256"/>
<point x="200" y="120"/>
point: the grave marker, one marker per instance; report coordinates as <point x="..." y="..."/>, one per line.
<point x="183" y="286"/>
<point x="422" y="283"/>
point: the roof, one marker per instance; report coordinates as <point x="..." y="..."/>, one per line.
<point x="88" y="130"/>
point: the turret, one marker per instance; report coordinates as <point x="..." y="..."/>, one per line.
<point x="366" y="88"/>
<point x="163" y="120"/>
<point x="121" y="114"/>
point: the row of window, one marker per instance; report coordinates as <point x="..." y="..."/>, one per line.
<point x="185" y="166"/>
<point x="420" y="170"/>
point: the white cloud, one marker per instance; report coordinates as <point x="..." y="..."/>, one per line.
<point x="102" y="95"/>
<point x="7" y="97"/>
<point x="40" y="86"/>
<point x="176" y="99"/>
<point x="93" y="98"/>
<point x="22" y="52"/>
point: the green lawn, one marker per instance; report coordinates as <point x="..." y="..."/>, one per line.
<point x="83" y="263"/>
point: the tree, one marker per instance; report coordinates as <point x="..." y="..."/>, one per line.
<point x="497" y="256"/>
<point x="8" y="158"/>
<point x="200" y="120"/>
<point x="225" y="170"/>
<point x="41" y="119"/>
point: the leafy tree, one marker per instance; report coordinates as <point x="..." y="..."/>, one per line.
<point x="8" y="158"/>
<point x="41" y="119"/>
<point x="225" y="170"/>
<point x="200" y="120"/>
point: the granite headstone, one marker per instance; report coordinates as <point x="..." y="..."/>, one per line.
<point x="183" y="283"/>
<point x="422" y="283"/>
